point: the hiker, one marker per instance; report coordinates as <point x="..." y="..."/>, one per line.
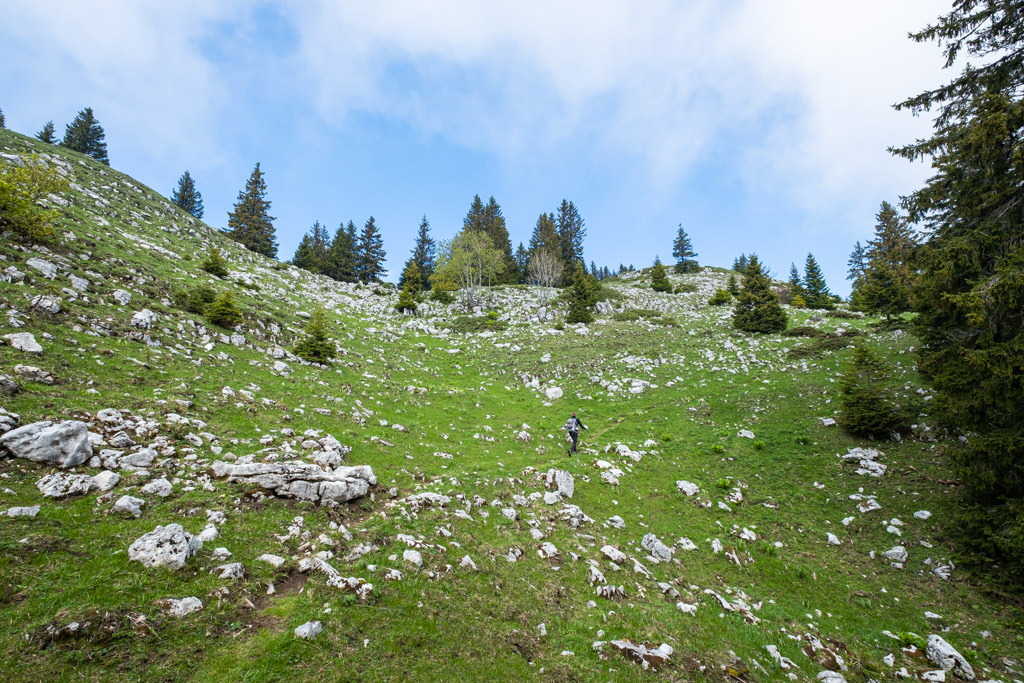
<point x="572" y="425"/>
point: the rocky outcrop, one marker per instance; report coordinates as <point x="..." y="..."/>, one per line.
<point x="306" y="481"/>
<point x="165" y="546"/>
<point x="64" y="444"/>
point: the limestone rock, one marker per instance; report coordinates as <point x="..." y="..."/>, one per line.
<point x="183" y="607"/>
<point x="65" y="444"/>
<point x="144" y="319"/>
<point x="22" y="511"/>
<point x="165" y="546"/>
<point x="159" y="487"/>
<point x="24" y="341"/>
<point x="49" y="270"/>
<point x="553" y="393"/>
<point x="31" y="373"/>
<point x="305" y="481"/>
<point x="122" y="297"/>
<point x="944" y="655"/>
<point x="688" y="487"/>
<point x="106" y="480"/>
<point x="651" y="544"/>
<point x="130" y="505"/>
<point x="60" y="485"/>
<point x="309" y="630"/>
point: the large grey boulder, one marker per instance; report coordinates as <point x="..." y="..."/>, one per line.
<point x="130" y="505"/>
<point x="651" y="544"/>
<point x="31" y="373"/>
<point x="306" y="481"/>
<point x="49" y="270"/>
<point x="65" y="444"/>
<point x="24" y="341"/>
<point x="165" y="546"/>
<point x="944" y="655"/>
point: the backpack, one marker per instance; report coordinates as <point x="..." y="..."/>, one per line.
<point x="572" y="424"/>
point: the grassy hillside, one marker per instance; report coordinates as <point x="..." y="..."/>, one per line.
<point x="465" y="415"/>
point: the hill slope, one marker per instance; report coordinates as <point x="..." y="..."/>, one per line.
<point x="484" y="563"/>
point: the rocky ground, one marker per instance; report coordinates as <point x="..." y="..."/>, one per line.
<point x="182" y="501"/>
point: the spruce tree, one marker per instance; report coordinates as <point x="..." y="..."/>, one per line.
<point x="970" y="320"/>
<point x="187" y="196"/>
<point x="889" y="275"/>
<point x="571" y="232"/>
<point x="757" y="306"/>
<point x="370" y="253"/>
<point x="659" y="277"/>
<point x="341" y="256"/>
<point x="215" y="263"/>
<point x="488" y="220"/>
<point x="522" y="258"/>
<point x="85" y="135"/>
<point x="412" y="286"/>
<point x="682" y="249"/>
<point x="224" y="312"/>
<point x="740" y="264"/>
<point x="48" y="134"/>
<point x="545" y="235"/>
<point x="857" y="264"/>
<point x="423" y="255"/>
<point x="582" y="296"/>
<point x="866" y="405"/>
<point x="251" y="223"/>
<point x="815" y="290"/>
<point x="316" y="346"/>
<point x="3" y="121"/>
<point x="312" y="253"/>
<point x="733" y="287"/>
<point x="796" y="285"/>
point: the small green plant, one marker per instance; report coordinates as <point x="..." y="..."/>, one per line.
<point x="720" y="298"/>
<point x="718" y="448"/>
<point x="634" y="314"/>
<point x="194" y="299"/>
<point x="316" y="346"/>
<point x="666" y="437"/>
<point x="759" y="445"/>
<point x="723" y="483"/>
<point x="798" y="301"/>
<point x="803" y="440"/>
<point x="911" y="638"/>
<point x="23" y="186"/>
<point x="215" y="263"/>
<point x="224" y="312"/>
<point x="412" y="285"/>
<point x="686" y="288"/>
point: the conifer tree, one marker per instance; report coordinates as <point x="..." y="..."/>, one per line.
<point x="522" y="258"/>
<point x="316" y="346"/>
<point x="740" y="264"/>
<point x="412" y="286"/>
<point x="582" y="296"/>
<point x="48" y="134"/>
<point x="733" y="287"/>
<point x="85" y="135"/>
<point x="341" y="256"/>
<point x="3" y="121"/>
<point x="682" y="249"/>
<point x="187" y="196"/>
<point x="970" y="319"/>
<point x="659" y="277"/>
<point x="423" y="255"/>
<point x="757" y="306"/>
<point x="224" y="312"/>
<point x="312" y="253"/>
<point x="370" y="253"/>
<point x="571" y="231"/>
<point x="889" y="275"/>
<point x="857" y="264"/>
<point x="815" y="290"/>
<point x="866" y="405"/>
<point x="796" y="285"/>
<point x="251" y="223"/>
<point x="215" y="263"/>
<point x="545" y="235"/>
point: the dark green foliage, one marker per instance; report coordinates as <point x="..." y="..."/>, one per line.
<point x="195" y="299"/>
<point x="857" y="263"/>
<point x="316" y="346"/>
<point x="22" y="187"/>
<point x="887" y="280"/>
<point x="824" y="343"/>
<point x="522" y="259"/>
<point x="423" y="255"/>
<point x="582" y="296"/>
<point x="571" y="231"/>
<point x="313" y="249"/>
<point x="815" y="291"/>
<point x="48" y="134"/>
<point x="545" y="236"/>
<point x="3" y="120"/>
<point x="634" y="314"/>
<point x="214" y="263"/>
<point x="796" y="285"/>
<point x="733" y="287"/>
<point x="740" y="264"/>
<point x="839" y="313"/>
<point x="412" y="286"/>
<point x="85" y="135"/>
<point x="659" y="278"/>
<point x="682" y="250"/>
<point x="341" y="256"/>
<point x="686" y="288"/>
<point x="251" y="223"/>
<point x="479" y="323"/>
<point x="488" y="220"/>
<point x="866" y="405"/>
<point x="757" y="306"/>
<point x="187" y="196"/>
<point x="804" y="331"/>
<point x="223" y="311"/>
<point x="370" y="253"/>
<point x="970" y="294"/>
<point x="720" y="298"/>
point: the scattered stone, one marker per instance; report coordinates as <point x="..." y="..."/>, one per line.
<point x="944" y="655"/>
<point x="165" y="546"/>
<point x="896" y="554"/>
<point x="687" y="487"/>
<point x="467" y="563"/>
<point x="613" y="554"/>
<point x="31" y="373"/>
<point x="922" y="514"/>
<point x="643" y="654"/>
<point x="130" y="505"/>
<point x="106" y="480"/>
<point x="274" y="561"/>
<point x="553" y="393"/>
<point x="233" y="570"/>
<point x="49" y="270"/>
<point x="61" y="485"/>
<point x="122" y="297"/>
<point x="833" y="539"/>
<point x="745" y="434"/>
<point x="144" y="319"/>
<point x="651" y="544"/>
<point x="158" y="487"/>
<point x="183" y="607"/>
<point x="22" y="511"/>
<point x="24" y="341"/>
<point x="305" y="481"/>
<point x="309" y="630"/>
<point x="413" y="557"/>
<point x="65" y="444"/>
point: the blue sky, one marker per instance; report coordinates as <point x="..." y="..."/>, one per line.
<point x="761" y="126"/>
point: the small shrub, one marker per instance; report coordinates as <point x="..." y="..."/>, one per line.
<point x="215" y="264"/>
<point x="194" y="299"/>
<point x="723" y="483"/>
<point x="804" y="331"/>
<point x="686" y="288"/>
<point x="839" y="313"/>
<point x="316" y="347"/>
<point x="803" y="440"/>
<point x="634" y="314"/>
<point x="759" y="445"/>
<point x="467" y="324"/>
<point x="23" y="185"/>
<point x="867" y="407"/>
<point x="718" y="448"/>
<point x="798" y="301"/>
<point x="224" y="312"/>
<point x="720" y="298"/>
<point x="659" y="278"/>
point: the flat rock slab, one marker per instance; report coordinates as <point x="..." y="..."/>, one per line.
<point x="24" y="341"/>
<point x="61" y="485"/>
<point x="183" y="607"/>
<point x="305" y="481"/>
<point x="64" y="444"/>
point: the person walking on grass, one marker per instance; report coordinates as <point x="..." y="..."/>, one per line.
<point x="573" y="425"/>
